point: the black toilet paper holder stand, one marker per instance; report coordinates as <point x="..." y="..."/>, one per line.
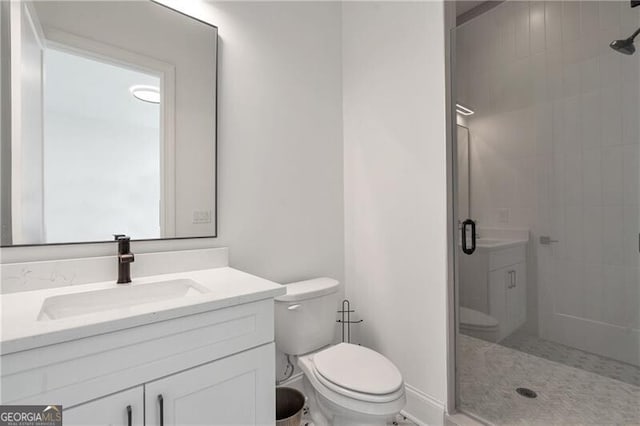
<point x="345" y="320"/>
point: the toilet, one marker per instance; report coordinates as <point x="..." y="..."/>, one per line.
<point x="346" y="384"/>
<point x="479" y="325"/>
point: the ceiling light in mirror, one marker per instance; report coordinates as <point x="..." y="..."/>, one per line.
<point x="463" y="110"/>
<point x="149" y="94"/>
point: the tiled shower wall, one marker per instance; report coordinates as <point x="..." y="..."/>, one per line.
<point x="554" y="148"/>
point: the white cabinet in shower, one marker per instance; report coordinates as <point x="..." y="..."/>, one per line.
<point x="508" y="297"/>
<point x="494" y="280"/>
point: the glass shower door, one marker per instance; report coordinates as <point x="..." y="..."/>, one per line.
<point x="549" y="300"/>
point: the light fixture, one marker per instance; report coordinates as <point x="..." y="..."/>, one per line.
<point x="463" y="110"/>
<point x="149" y="94"/>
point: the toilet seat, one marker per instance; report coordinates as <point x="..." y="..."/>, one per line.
<point x="340" y="369"/>
<point x="471" y="319"/>
<point x="357" y="402"/>
<point x="359" y="396"/>
<point x="350" y="367"/>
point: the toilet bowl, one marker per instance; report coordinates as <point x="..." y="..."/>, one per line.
<point x="352" y="385"/>
<point x="479" y="325"/>
<point x="346" y="384"/>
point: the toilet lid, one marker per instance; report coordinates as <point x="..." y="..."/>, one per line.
<point x="358" y="368"/>
<point x="474" y="318"/>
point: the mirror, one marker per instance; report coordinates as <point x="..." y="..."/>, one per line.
<point x="464" y="183"/>
<point x="111" y="111"/>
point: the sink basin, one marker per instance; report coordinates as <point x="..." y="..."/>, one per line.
<point x="120" y="296"/>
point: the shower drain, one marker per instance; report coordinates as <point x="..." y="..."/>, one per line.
<point x="527" y="393"/>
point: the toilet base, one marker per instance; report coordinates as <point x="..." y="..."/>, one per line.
<point x="489" y="335"/>
<point x="325" y="413"/>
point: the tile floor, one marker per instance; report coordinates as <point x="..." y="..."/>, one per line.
<point x="567" y="355"/>
<point x="490" y="373"/>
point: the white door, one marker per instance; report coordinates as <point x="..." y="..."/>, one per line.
<point x="238" y="390"/>
<point x="121" y="409"/>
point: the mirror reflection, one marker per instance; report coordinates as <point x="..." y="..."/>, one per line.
<point x="112" y="117"/>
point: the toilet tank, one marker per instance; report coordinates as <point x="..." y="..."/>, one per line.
<point x="305" y="317"/>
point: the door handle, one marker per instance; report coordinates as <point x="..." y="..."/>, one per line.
<point x="465" y="224"/>
<point x="161" y="403"/>
<point x="129" y="416"/>
<point x="546" y="240"/>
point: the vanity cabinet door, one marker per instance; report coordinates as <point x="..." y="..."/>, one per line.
<point x="120" y="409"/>
<point x="508" y="297"/>
<point x="238" y="390"/>
<point x="517" y="297"/>
<point x="499" y="281"/>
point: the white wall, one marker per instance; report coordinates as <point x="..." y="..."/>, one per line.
<point x="280" y="138"/>
<point x="554" y="143"/>
<point x="395" y="189"/>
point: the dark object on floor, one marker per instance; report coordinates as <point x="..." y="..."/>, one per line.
<point x="527" y="393"/>
<point x="289" y="405"/>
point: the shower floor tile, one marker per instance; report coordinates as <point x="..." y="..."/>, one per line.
<point x="572" y="357"/>
<point x="488" y="375"/>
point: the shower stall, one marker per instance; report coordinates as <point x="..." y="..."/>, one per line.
<point x="547" y="181"/>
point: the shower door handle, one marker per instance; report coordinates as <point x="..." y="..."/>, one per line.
<point x="468" y="224"/>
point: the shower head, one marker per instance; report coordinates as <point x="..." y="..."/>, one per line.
<point x="625" y="45"/>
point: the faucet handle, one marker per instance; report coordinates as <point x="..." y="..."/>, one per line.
<point x="119" y="237"/>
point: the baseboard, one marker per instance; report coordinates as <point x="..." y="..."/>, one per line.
<point x="462" y="419"/>
<point x="423" y="409"/>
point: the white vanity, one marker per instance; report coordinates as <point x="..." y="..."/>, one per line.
<point x="193" y="347"/>
<point x="494" y="279"/>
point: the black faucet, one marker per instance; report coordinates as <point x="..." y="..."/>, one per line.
<point x="125" y="257"/>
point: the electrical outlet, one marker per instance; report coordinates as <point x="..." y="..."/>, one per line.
<point x="201" y="216"/>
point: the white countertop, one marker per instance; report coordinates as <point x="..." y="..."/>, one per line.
<point x="21" y="329"/>
<point x="499" y="243"/>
